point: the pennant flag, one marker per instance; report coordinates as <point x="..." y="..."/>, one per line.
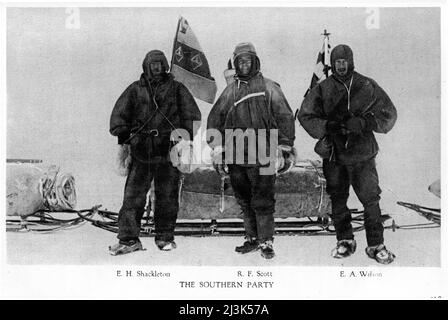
<point x="189" y="65"/>
<point x="323" y="66"/>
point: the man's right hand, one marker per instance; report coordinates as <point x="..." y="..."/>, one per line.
<point x="334" y="127"/>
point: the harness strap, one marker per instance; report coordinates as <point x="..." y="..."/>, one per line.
<point x="251" y="95"/>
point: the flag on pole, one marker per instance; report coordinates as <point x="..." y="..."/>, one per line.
<point x="322" y="68"/>
<point x="189" y="64"/>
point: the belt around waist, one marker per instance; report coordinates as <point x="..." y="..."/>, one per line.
<point x="156" y="132"/>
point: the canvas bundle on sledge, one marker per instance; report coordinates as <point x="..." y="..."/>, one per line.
<point x="300" y="193"/>
<point x="32" y="186"/>
<point x="207" y="205"/>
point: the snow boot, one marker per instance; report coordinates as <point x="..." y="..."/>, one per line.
<point x="166" y="245"/>
<point x="344" y="248"/>
<point x="124" y="248"/>
<point x="380" y="254"/>
<point x="251" y="244"/>
<point x="267" y="249"/>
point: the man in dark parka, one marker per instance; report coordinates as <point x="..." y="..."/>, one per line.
<point x="346" y="109"/>
<point x="252" y="102"/>
<point x="144" y="116"/>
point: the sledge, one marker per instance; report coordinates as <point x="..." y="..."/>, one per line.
<point x="299" y="193"/>
<point x="207" y="206"/>
<point x="41" y="198"/>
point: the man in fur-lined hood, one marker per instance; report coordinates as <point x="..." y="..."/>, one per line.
<point x="346" y="109"/>
<point x="143" y="118"/>
<point x="252" y="102"/>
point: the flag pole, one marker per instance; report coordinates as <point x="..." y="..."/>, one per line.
<point x="327" y="52"/>
<point x="175" y="40"/>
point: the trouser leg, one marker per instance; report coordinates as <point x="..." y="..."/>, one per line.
<point x="338" y="186"/>
<point x="242" y="190"/>
<point x="263" y="202"/>
<point x="166" y="184"/>
<point x="366" y="185"/>
<point x="134" y="200"/>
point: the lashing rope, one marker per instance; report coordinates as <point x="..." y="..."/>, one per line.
<point x="432" y="214"/>
<point x="43" y="221"/>
<point x="59" y="192"/>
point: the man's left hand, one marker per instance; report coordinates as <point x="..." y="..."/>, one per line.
<point x="286" y="159"/>
<point x="355" y="124"/>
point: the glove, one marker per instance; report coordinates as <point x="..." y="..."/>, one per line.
<point x="181" y="156"/>
<point x="123" y="133"/>
<point x="217" y="156"/>
<point x="334" y="127"/>
<point x="355" y="124"/>
<point x="123" y="160"/>
<point x="370" y="121"/>
<point x="287" y="157"/>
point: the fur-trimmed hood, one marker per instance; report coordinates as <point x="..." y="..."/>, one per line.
<point x="154" y="56"/>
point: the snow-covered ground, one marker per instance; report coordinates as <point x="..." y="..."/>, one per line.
<point x="88" y="245"/>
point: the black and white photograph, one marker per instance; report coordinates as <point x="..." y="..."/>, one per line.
<point x="211" y="149"/>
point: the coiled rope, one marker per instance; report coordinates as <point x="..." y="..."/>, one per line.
<point x="59" y="191"/>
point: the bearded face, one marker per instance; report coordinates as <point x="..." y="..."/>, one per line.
<point x="341" y="66"/>
<point x="156" y="69"/>
<point x="244" y="64"/>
